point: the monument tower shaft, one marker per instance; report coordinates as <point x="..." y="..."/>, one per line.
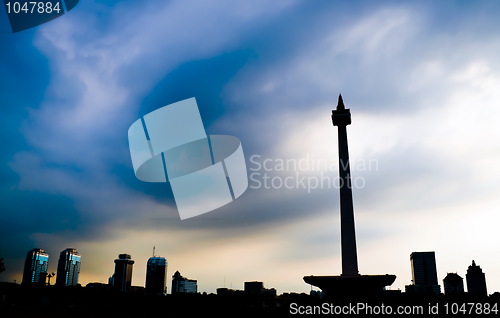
<point x="350" y="285"/>
<point x="341" y="117"/>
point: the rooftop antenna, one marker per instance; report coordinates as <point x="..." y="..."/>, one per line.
<point x="154" y="251"/>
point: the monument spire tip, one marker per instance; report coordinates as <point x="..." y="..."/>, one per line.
<point x="340" y="104"/>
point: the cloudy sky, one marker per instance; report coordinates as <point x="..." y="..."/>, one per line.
<point x="422" y="80"/>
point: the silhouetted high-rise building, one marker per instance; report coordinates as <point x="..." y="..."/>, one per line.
<point x="68" y="268"/>
<point x="476" y="281"/>
<point x="183" y="285"/>
<point x="122" y="278"/>
<point x="35" y="267"/>
<point x="424" y="273"/>
<point x="453" y="284"/>
<point x="156" y="275"/>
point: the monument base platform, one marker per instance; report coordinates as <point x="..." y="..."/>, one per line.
<point x="351" y="286"/>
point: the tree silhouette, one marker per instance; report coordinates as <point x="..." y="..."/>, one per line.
<point x="2" y="265"/>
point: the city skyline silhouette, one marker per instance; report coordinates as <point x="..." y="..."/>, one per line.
<point x="350" y="284"/>
<point x="348" y="243"/>
<point x="99" y="300"/>
<point x="473" y="271"/>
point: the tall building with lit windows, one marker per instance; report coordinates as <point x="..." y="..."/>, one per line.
<point x="68" y="268"/>
<point x="156" y="275"/>
<point x="35" y="267"/>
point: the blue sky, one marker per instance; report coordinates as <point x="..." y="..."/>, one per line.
<point x="421" y="80"/>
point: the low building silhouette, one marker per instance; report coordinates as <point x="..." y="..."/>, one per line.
<point x="453" y="284"/>
<point x="224" y="291"/>
<point x="182" y="284"/>
<point x="257" y="288"/>
<point x="97" y="286"/>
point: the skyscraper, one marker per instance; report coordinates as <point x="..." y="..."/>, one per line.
<point x="156" y="275"/>
<point x="122" y="278"/>
<point x="476" y="281"/>
<point x="181" y="284"/>
<point x="68" y="268"/>
<point x="424" y="273"/>
<point x="35" y="267"/>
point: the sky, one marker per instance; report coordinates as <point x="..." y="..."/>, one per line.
<point x="421" y="79"/>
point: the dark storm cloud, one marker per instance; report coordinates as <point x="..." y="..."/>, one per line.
<point x="76" y="151"/>
<point x="23" y="80"/>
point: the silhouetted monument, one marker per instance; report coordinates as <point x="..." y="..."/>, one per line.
<point x="350" y="283"/>
<point x="476" y="281"/>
